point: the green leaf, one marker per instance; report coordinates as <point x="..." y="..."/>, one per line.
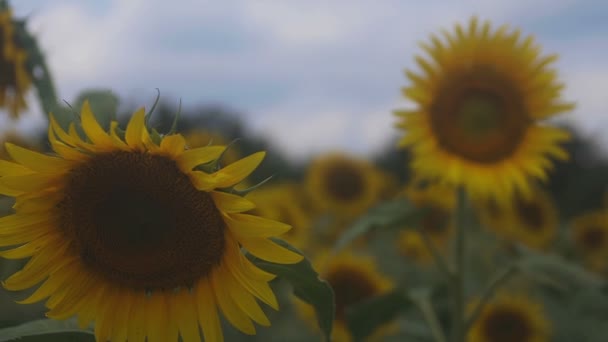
<point x="398" y="213"/>
<point x="40" y="327"/>
<point x="306" y="285"/>
<point x="556" y="272"/>
<point x="365" y="317"/>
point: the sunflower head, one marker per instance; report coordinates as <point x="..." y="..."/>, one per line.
<point x="141" y="224"/>
<point x="14" y="77"/>
<point x="343" y="185"/>
<point x="480" y="98"/>
<point x="510" y="318"/>
<point x="353" y="279"/>
<point x="590" y="235"/>
<point x="533" y="220"/>
<point x="438" y="202"/>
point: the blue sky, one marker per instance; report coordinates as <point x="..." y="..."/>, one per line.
<point x="314" y="75"/>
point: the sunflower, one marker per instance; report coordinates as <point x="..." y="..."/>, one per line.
<point x="14" y="77"/>
<point x="278" y="202"/>
<point x="354" y="279"/>
<point x="510" y="318"/>
<point x="200" y="137"/>
<point x="532" y="221"/>
<point x="481" y="101"/>
<point x="343" y="185"/>
<point x="14" y="137"/>
<point x="590" y="234"/>
<point x="491" y="214"/>
<point x="410" y="244"/>
<point x="140" y="225"/>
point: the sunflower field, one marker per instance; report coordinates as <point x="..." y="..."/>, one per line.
<point x="484" y="220"/>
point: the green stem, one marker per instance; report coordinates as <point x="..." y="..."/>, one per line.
<point x="494" y="285"/>
<point x="431" y="319"/>
<point x="458" y="277"/>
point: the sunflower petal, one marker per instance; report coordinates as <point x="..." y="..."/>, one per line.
<point x="197" y="156"/>
<point x="237" y="171"/>
<point x="183" y="310"/>
<point x="270" y="251"/>
<point x="208" y="317"/>
<point x="245" y="225"/>
<point x="92" y="128"/>
<point x="230" y="203"/>
<point x="36" y="161"/>
<point x="173" y="144"/>
<point x="135" y="128"/>
<point x="231" y="311"/>
<point x="243" y="299"/>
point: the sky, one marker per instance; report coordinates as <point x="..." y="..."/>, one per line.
<point x="312" y="75"/>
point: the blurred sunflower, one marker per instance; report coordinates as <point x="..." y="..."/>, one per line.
<point x="278" y="202"/>
<point x="354" y="279"/>
<point x="139" y="225"/>
<point x="200" y="137"/>
<point x="510" y="318"/>
<point x="491" y="214"/>
<point x="343" y="185"/>
<point x="14" y="77"/>
<point x="590" y="234"/>
<point x="410" y="244"/>
<point x="480" y="101"/>
<point x="533" y="221"/>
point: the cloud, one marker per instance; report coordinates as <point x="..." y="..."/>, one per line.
<point x="308" y="64"/>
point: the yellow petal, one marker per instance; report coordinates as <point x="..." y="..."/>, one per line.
<point x="75" y="297"/>
<point x="230" y="203"/>
<point x="14" y="223"/>
<point x="120" y="323"/>
<point x="243" y="299"/>
<point x="231" y="311"/>
<point x="197" y="156"/>
<point x="183" y="310"/>
<point x="28" y="183"/>
<point x="8" y="168"/>
<point x="208" y="317"/>
<point x="137" y="319"/>
<point x="270" y="251"/>
<point x="173" y="144"/>
<point x="93" y="130"/>
<point x="235" y="172"/>
<point x="63" y="135"/>
<point x="55" y="281"/>
<point x="65" y="151"/>
<point x="259" y="288"/>
<point x="38" y="268"/>
<point x="104" y="319"/>
<point x="117" y="141"/>
<point x="36" y="161"/>
<point x="135" y="129"/>
<point x="245" y="225"/>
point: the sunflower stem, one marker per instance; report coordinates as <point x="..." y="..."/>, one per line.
<point x="458" y="276"/>
<point x="496" y="282"/>
<point x="425" y="307"/>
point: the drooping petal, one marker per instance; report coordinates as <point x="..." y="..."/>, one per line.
<point x="270" y="251"/>
<point x="230" y="203"/>
<point x="245" y="225"/>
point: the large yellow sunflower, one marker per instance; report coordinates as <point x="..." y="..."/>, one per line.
<point x="353" y="278"/>
<point x="343" y="185"/>
<point x="590" y="234"/>
<point x="14" y="78"/>
<point x="510" y="318"/>
<point x="136" y="235"/>
<point x="481" y="98"/>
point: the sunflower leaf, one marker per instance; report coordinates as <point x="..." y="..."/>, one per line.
<point x="365" y="317"/>
<point x="42" y="327"/>
<point x="556" y="272"/>
<point x="399" y="213"/>
<point x="306" y="285"/>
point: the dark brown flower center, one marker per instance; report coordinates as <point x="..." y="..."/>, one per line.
<point x="136" y="219"/>
<point x="479" y="114"/>
<point x="505" y="325"/>
<point x="344" y="181"/>
<point x="435" y="221"/>
<point x="531" y="213"/>
<point x="593" y="238"/>
<point x="350" y="286"/>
